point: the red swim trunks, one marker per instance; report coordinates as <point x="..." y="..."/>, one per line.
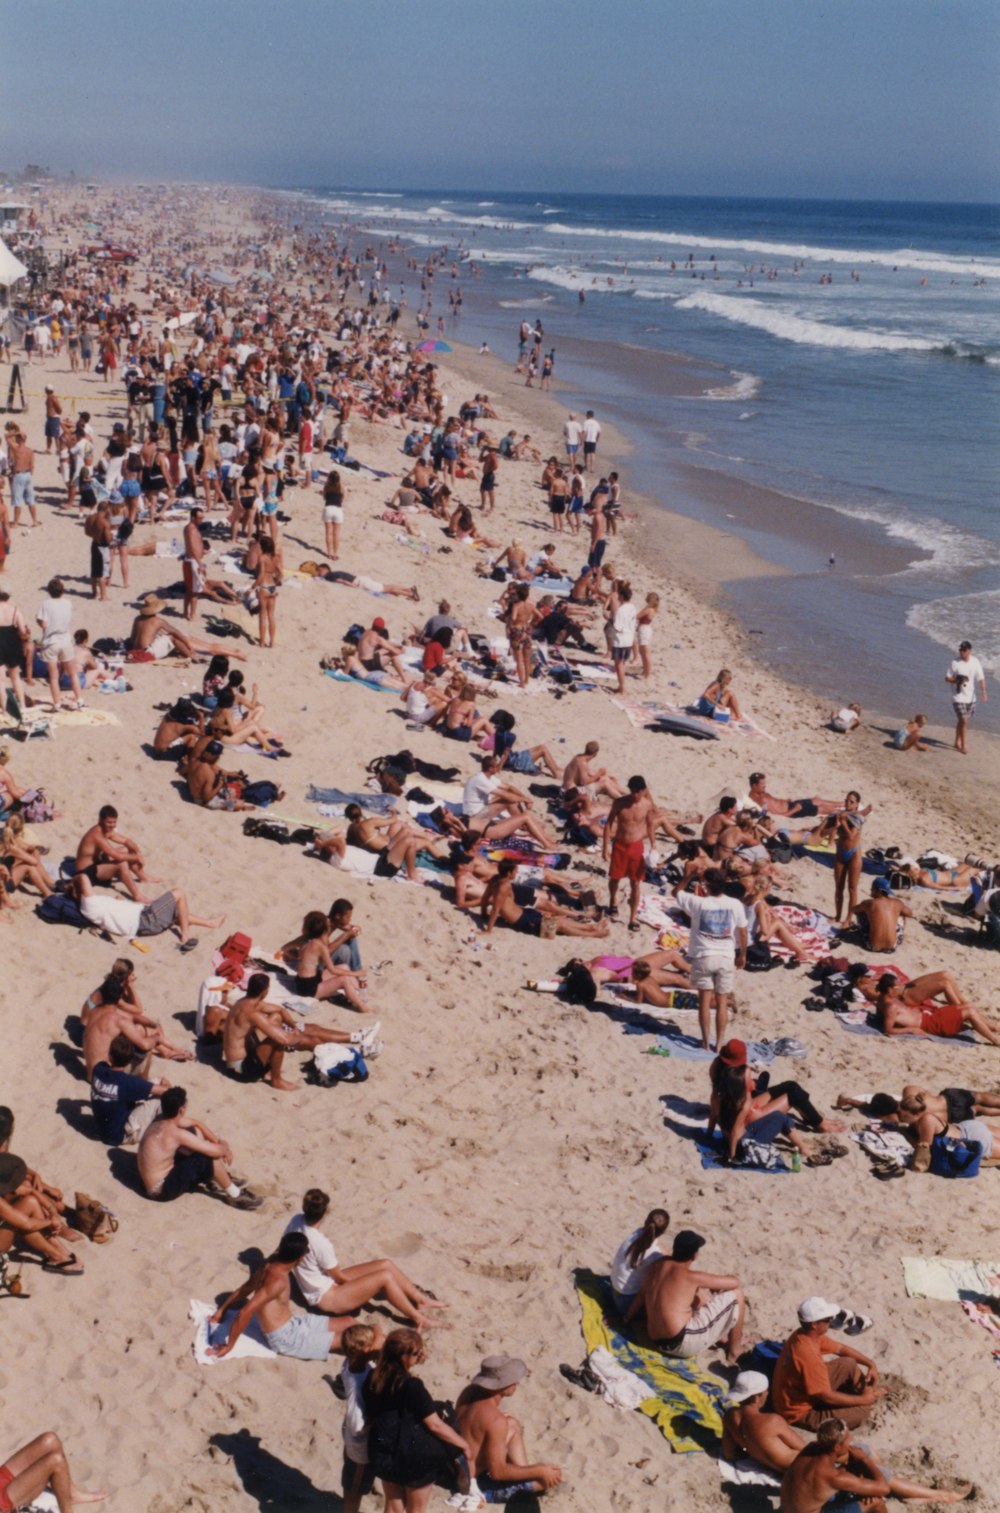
<point x="627" y="860"/>
<point x="6" y="1477"/>
<point x="946" y="1019"/>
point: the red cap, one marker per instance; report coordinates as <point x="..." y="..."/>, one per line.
<point x="734" y="1053"/>
<point x="378" y="624"/>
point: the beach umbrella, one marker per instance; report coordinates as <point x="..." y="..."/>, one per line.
<point x="433" y="346"/>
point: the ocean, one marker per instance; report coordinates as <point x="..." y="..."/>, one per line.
<point x="843" y="358"/>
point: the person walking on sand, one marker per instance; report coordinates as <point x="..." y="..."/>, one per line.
<point x="630" y="824"/>
<point x="964" y="673"/>
<point x="21" y="466"/>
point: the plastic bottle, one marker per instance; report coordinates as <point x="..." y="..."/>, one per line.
<point x="796" y="1162"/>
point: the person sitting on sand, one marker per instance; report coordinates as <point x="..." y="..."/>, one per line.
<point x="910" y="736"/>
<point x="719" y="702"/>
<point x="895" y="1016"/>
<point x="829" y="1472"/>
<point x="317" y="974"/>
<point x="105" y="856"/>
<point x="756" y="1440"/>
<point x="395" y="842"/>
<point x="581" y="773"/>
<point x="495" y="810"/>
<point x="30" y="1218"/>
<point x="115" y="1017"/>
<point x="267" y="1297"/>
<point x="124" y="916"/>
<point x="764" y="924"/>
<point x="256" y="1034"/>
<point x="541" y="918"/>
<point x="23" y="861"/>
<point x="181" y="727"/>
<point x="550" y="891"/>
<point x="498" y="1459"/>
<point x="640" y="1250"/>
<point x="178" y="1154"/>
<point x="687" y="1311"/>
<point x="743" y="1105"/>
<point x="41" y="1466"/>
<point x="336" y="1289"/>
<point x="816" y="1376"/>
<point x="462" y="720"/>
<point x="123" y="1102"/>
<point x="881" y="918"/>
<point x="209" y="784"/>
<point x="757" y="797"/>
<point x="224" y="725"/>
<point x="157" y="638"/>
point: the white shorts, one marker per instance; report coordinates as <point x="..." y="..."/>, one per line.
<point x="645" y="635"/>
<point x="333" y="514"/>
<point x="161" y="646"/>
<point x="58" y="649"/>
<point x="713" y="973"/>
<point x="708" y="1326"/>
<point x="371" y="585"/>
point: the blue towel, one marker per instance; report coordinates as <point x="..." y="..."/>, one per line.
<point x="345" y="677"/>
<point x="375" y="803"/>
<point x="712" y="1159"/>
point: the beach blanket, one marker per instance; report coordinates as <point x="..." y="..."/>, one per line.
<point x="862" y="1022"/>
<point x="713" y="1158"/>
<point x="345" y="677"/>
<point x="813" y="929"/>
<point x="685" y="1402"/>
<point x="950" y="1281"/>
<point x="339" y="798"/>
<point x="66" y="718"/>
<point x="250" y="1343"/>
<point x="883" y="1142"/>
<point x="747" y="1473"/>
<point x="643" y="713"/>
<point x="660" y="910"/>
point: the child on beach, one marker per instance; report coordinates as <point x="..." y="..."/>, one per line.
<point x="362" y="1344"/>
<point x="908" y="738"/>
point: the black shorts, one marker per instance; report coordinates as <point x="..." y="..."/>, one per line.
<point x="589" y="448"/>
<point x="959" y="1102"/>
<point x="530" y="922"/>
<point x="525" y="894"/>
<point x="306" y="987"/>
<point x="488" y="484"/>
<point x="384" y="867"/>
<point x="357" y="1478"/>
<point x="189" y="1172"/>
<point x="557" y="504"/>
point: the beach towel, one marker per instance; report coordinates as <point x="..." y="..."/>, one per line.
<point x="950" y="1281"/>
<point x="660" y="910"/>
<point x="643" y="713"/>
<point x="685" y="1402"/>
<point x="619" y="1386"/>
<point x="862" y="1022"/>
<point x="339" y="798"/>
<point x="713" y="1158"/>
<point x="345" y="677"/>
<point x="813" y="929"/>
<point x="884" y="1144"/>
<point x="250" y="1343"/>
<point x="747" y="1473"/>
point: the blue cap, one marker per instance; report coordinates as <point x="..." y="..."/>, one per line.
<point x="881" y="887"/>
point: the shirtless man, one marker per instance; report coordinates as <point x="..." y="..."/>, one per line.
<point x="472" y="873"/>
<point x="178" y="1154"/>
<point x="581" y="773"/>
<point x="394" y="841"/>
<point x="181" y="727"/>
<point x="211" y="785"/>
<point x="897" y="1017"/>
<point x="114" y="1017"/>
<point x="196" y="585"/>
<point x="689" y="1311"/>
<point x="757" y="797"/>
<point x="498" y="1459"/>
<point x="723" y="819"/>
<point x="654" y="985"/>
<point x="104" y="855"/>
<point x="881" y="918"/>
<point x="377" y="653"/>
<point x="256" y="1034"/>
<point x="773" y="1445"/>
<point x="267" y="1296"/>
<point x="821" y="1472"/>
<point x="498" y="902"/>
<point x="150" y="632"/>
<point x="630" y="823"/>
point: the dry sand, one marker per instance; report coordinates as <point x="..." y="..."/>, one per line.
<point x="504" y="1138"/>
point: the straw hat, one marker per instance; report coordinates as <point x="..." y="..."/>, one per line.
<point x="151" y="606"/>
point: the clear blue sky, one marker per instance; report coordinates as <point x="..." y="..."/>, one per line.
<point x="854" y="98"/>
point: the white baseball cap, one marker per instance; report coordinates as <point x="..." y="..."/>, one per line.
<point x="748" y="1384"/>
<point x="812" y="1310"/>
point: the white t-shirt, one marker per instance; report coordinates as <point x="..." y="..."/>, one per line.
<point x="625" y="1279"/>
<point x="355" y="1429"/>
<point x="973" y="670"/>
<point x="311" y="1272"/>
<point x="55" y="616"/>
<point x="571" y="431"/>
<point x="478" y="793"/>
<point x="847" y="718"/>
<point x="119" y="916"/>
<point x="419" y="708"/>
<point x="714" y="922"/>
<point x="591" y="429"/>
<point x="624" y="625"/>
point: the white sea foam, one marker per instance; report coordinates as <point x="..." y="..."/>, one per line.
<point x="972" y="616"/>
<point x="789" y="326"/>
<point x="747" y="386"/>
<point x="378" y="194"/>
<point x="854" y="257"/>
<point x="485" y="204"/>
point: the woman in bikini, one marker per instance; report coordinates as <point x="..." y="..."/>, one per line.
<point x="209" y="469"/>
<point x="317" y="975"/>
<point x="268" y="583"/>
<point x="22" y="861"/>
<point x="845" y="826"/>
<point x="520" y="622"/>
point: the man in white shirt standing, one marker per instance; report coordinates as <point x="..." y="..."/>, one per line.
<point x="623" y="633"/>
<point x="717" y="949"/>
<point x="591" y="436"/>
<point x="572" y="432"/>
<point x="964" y="673"/>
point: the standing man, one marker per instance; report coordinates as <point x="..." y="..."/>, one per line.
<point x="21" y="462"/>
<point x="53" y="418"/>
<point x="572" y="432"/>
<point x="717" y="949"/>
<point x="623" y="629"/>
<point x="630" y="824"/>
<point x="591" y="436"/>
<point x="598" y="537"/>
<point x="964" y="673"/>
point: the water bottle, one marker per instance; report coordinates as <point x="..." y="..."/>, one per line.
<point x="796" y="1162"/>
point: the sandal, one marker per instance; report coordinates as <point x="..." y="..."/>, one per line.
<point x="68" y="1268"/>
<point x="821" y="1158"/>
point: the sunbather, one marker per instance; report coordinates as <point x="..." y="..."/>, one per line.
<point x="541" y="918"/>
<point x="317" y="974"/>
<point x="897" y="1017"/>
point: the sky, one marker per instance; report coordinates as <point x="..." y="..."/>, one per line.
<point x="855" y="99"/>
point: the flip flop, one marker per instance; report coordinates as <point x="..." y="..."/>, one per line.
<point x="821" y="1158"/>
<point x="68" y="1268"/>
<point x="189" y="945"/>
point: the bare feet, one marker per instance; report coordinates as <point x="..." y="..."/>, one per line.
<point x="281" y="1086"/>
<point x="81" y="1495"/>
<point x="832" y="1126"/>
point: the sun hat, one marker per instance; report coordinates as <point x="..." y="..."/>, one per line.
<point x="748" y="1384"/>
<point x="813" y="1310"/>
<point x="499" y="1371"/>
<point x="13" y="1172"/>
<point x="151" y="606"/>
<point x="733" y="1053"/>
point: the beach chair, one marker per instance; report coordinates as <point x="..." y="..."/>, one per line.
<point x="28" y="723"/>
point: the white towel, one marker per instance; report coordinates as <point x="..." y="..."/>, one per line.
<point x="619" y="1387"/>
<point x="938" y="1277"/>
<point x="747" y="1473"/>
<point x="250" y="1342"/>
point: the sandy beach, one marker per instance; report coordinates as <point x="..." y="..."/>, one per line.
<point x="504" y="1138"/>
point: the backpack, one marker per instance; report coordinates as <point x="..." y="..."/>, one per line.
<point x="60" y="909"/>
<point x="835" y="991"/>
<point x="234" y="952"/>
<point x="261" y="793"/>
<point x="760" y="957"/>
<point x="352" y="635"/>
<point x="36" y="808"/>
